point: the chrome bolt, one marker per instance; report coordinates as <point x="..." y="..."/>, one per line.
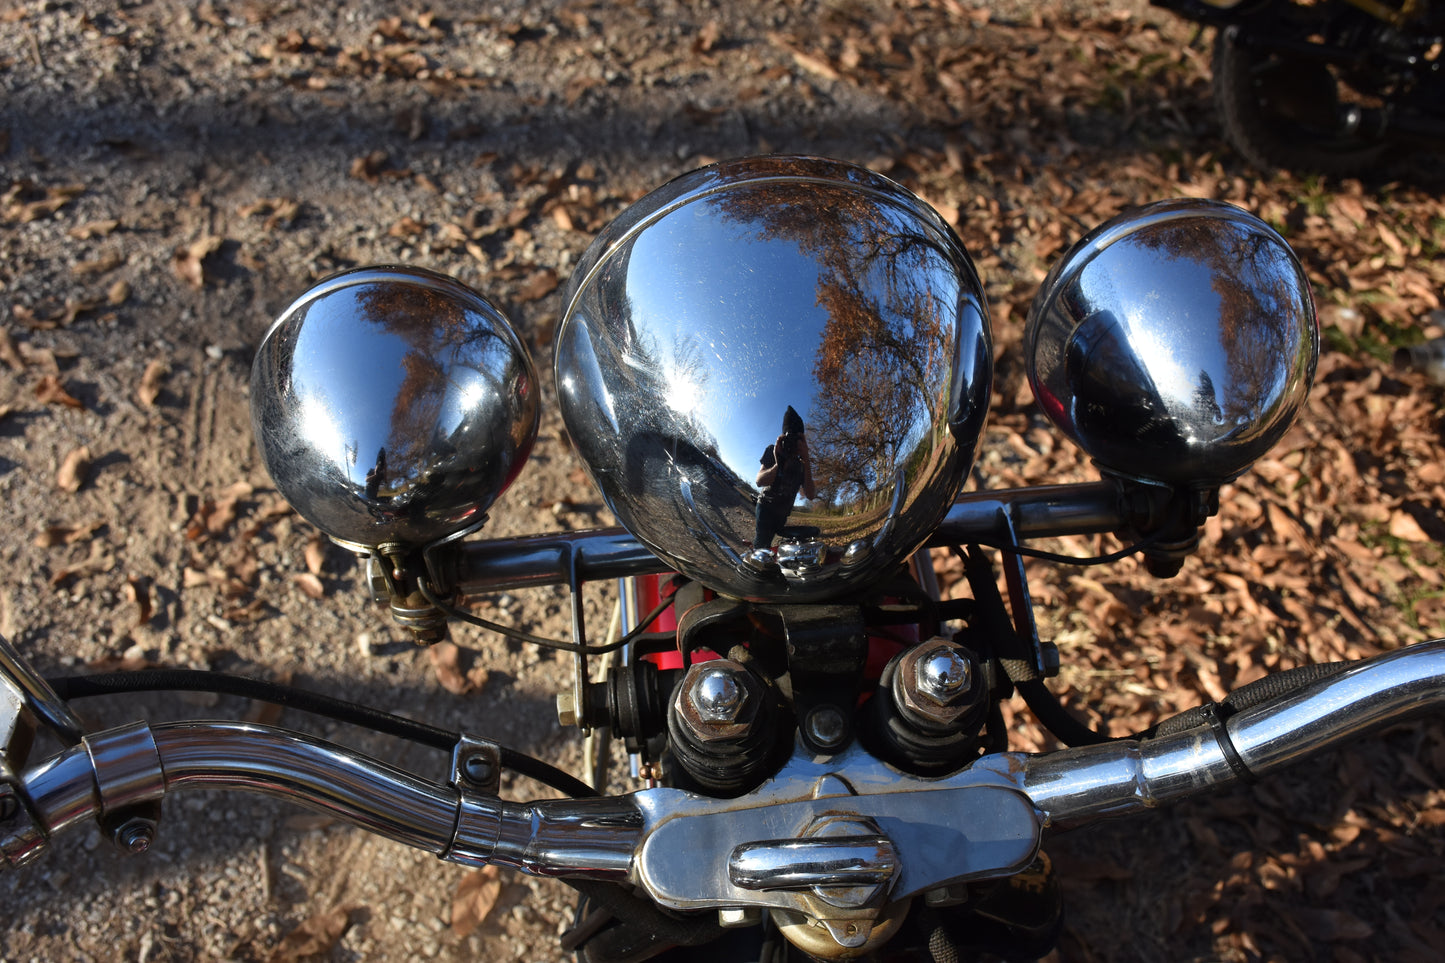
<point x="942" y="673"/>
<point x="826" y="727"/>
<point x="717" y="696"/>
<point x="135" y="835"/>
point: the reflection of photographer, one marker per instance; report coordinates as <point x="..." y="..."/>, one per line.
<point x="786" y="470"/>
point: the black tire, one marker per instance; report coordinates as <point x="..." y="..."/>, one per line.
<point x="1281" y="111"/>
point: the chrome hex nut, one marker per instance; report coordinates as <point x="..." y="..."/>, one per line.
<point x="718" y="700"/>
<point x="936" y="681"/>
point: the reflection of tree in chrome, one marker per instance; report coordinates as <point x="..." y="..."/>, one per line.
<point x="882" y="365"/>
<point x="439" y="328"/>
<point x="1259" y="292"/>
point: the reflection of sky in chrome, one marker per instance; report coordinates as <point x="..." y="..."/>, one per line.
<point x="740" y="336"/>
<point x="1164" y="303"/>
<point x="352" y="422"/>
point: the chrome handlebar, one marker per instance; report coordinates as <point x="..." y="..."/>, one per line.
<point x="1040" y="511"/>
<point x="778" y="846"/>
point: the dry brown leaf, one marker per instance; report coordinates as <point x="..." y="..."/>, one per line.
<point x="138" y="593"/>
<point x="117" y="663"/>
<point x="444" y="659"/>
<point x="9" y="353"/>
<point x="446" y="663"/>
<point x="475" y="897"/>
<point x="25" y="201"/>
<point x="279" y="211"/>
<point x="406" y="227"/>
<point x="189" y="262"/>
<point x="73" y="470"/>
<point x="252" y="611"/>
<point x="315" y="553"/>
<point x="707" y="37"/>
<point x="107" y="262"/>
<point x="117" y="294"/>
<point x="810" y="63"/>
<point x="42" y="358"/>
<point x="539" y="285"/>
<point x="66" y="534"/>
<point x="150" y="382"/>
<point x="274" y="507"/>
<point x="98" y="563"/>
<point x="213" y="516"/>
<point x="368" y="168"/>
<point x="238" y="489"/>
<point x="50" y="391"/>
<point x="85" y="232"/>
<point x="1404" y="526"/>
<point x="310" y="585"/>
<point x="54" y="315"/>
<point x="315" y="936"/>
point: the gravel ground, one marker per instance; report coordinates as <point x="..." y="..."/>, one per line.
<point x="176" y="174"/>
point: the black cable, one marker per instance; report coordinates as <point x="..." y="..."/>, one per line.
<point x="452" y="611"/>
<point x="1072" y="732"/>
<point x="187" y="680"/>
<point x="1047" y="708"/>
<point x="545" y="773"/>
<point x="1272" y="686"/>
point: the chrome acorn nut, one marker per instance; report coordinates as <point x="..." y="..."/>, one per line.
<point x="393" y="405"/>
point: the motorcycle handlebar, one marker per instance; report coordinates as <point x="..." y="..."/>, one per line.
<point x="1040" y="511"/>
<point x="608" y="838"/>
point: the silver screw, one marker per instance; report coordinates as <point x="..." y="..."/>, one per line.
<point x="826" y="726"/>
<point x="717" y="696"/>
<point x="942" y="673"/>
<point x="135" y="836"/>
<point x="478" y="769"/>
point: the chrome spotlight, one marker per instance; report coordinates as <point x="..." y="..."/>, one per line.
<point x="392" y="406"/>
<point x="777" y="370"/>
<point x="1174" y="344"/>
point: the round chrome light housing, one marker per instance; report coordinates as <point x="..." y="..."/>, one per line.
<point x="776" y="370"/>
<point x="1175" y="343"/>
<point x="393" y="405"/>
